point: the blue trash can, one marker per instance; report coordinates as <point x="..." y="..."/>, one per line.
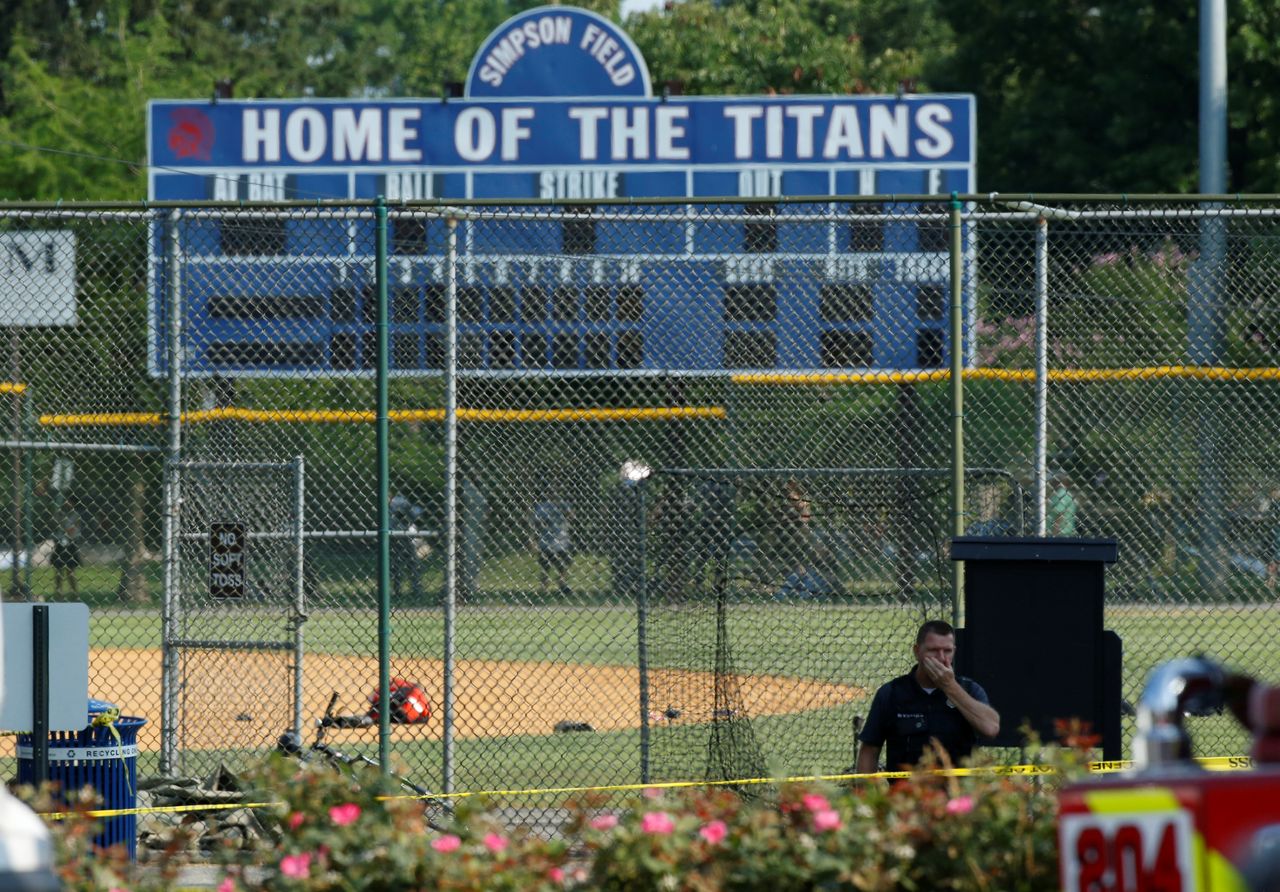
<point x="92" y="758"/>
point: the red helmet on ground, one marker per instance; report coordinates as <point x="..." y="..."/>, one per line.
<point x="409" y="703"/>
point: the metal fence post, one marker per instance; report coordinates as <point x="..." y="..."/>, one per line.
<point x="299" y="584"/>
<point x="28" y="494"/>
<point x="172" y="505"/>
<point x="450" y="497"/>
<point x="642" y="622"/>
<point x="955" y="250"/>
<point x="384" y="487"/>
<point x="1042" y="373"/>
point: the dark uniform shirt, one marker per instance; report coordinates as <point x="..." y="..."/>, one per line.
<point x="905" y="716"/>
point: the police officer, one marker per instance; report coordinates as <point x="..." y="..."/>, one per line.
<point x="928" y="703"/>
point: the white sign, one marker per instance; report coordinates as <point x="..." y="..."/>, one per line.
<point x="38" y="278"/>
<point x="1143" y="850"/>
<point x="68" y="667"/>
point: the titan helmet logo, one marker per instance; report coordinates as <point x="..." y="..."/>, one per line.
<point x="191" y="135"/>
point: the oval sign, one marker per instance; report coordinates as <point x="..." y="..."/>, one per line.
<point x="559" y="51"/>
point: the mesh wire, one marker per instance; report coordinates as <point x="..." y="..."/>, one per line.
<point x="808" y="341"/>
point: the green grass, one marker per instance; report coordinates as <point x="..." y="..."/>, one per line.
<point x="96" y="584"/>
<point x="813" y="742"/>
<point x="781" y="639"/>
<point x="774" y="639"/>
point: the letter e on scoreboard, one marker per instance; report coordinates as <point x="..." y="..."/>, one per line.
<point x="228" y="541"/>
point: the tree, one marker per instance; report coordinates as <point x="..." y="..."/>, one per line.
<point x="1253" y="102"/>
<point x="788" y="46"/>
<point x="1101" y="95"/>
<point x="74" y="137"/>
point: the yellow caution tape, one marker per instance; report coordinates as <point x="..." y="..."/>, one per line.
<point x="1211" y="763"/>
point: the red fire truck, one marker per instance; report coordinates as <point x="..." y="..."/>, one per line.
<point x="1170" y="825"/>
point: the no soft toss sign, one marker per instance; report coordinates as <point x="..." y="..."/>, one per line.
<point x="227" y="542"/>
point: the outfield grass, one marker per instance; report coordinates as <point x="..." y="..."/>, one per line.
<point x="775" y="639"/>
<point x="786" y="639"/>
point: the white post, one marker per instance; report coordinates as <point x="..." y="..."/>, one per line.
<point x="169" y="678"/>
<point x="1042" y="374"/>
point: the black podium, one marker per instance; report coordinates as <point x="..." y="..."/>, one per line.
<point x="1033" y="635"/>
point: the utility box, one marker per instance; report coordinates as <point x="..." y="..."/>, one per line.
<point x="1033" y="634"/>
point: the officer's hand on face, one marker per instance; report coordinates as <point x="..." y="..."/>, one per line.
<point x="941" y="674"/>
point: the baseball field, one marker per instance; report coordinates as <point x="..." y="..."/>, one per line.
<point x="513" y="680"/>
<point x="513" y="684"/>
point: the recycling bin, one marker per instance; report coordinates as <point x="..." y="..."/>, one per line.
<point x="92" y="757"/>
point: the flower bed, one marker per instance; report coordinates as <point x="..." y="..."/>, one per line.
<point x="984" y="831"/>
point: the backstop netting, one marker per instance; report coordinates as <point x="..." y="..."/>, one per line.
<point x="774" y="602"/>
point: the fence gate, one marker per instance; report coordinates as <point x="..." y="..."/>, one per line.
<point x="234" y="609"/>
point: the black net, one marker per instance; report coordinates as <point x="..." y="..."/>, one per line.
<point x="775" y="601"/>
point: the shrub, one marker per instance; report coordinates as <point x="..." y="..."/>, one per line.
<point x="979" y="832"/>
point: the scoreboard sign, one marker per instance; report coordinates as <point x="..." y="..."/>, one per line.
<point x="559" y="106"/>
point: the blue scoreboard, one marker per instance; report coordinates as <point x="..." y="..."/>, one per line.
<point x="559" y="106"/>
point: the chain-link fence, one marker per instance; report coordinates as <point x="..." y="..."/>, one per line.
<point x="686" y="497"/>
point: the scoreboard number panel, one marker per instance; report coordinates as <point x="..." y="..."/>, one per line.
<point x="750" y="284"/>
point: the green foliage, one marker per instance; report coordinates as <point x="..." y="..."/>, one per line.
<point x="79" y="864"/>
<point x="1102" y="96"/>
<point x="985" y="831"/>
<point x="1064" y="103"/>
<point x="91" y="126"/>
<point x="1253" y="106"/>
<point x="788" y="46"/>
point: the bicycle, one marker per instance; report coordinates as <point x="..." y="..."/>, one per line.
<point x="437" y="811"/>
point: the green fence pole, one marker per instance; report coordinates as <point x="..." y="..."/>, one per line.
<point x="384" y="488"/>
<point x="956" y="249"/>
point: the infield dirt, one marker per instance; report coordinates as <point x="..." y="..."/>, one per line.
<point x="242" y="699"/>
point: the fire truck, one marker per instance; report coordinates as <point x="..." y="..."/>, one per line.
<point x="1169" y="824"/>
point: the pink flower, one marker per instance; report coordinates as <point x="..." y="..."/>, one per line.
<point x="296" y="866"/>
<point x="658" y="822"/>
<point x="295" y="820"/>
<point x="556" y="875"/>
<point x="446" y="843"/>
<point x="227" y="885"/>
<point x="652" y="793"/>
<point x="495" y="843"/>
<point x="826" y="819"/>
<point x="816" y="802"/>
<point x="342" y="815"/>
<point x="961" y="805"/>
<point x="604" y="822"/>
<point x="714" y="832"/>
